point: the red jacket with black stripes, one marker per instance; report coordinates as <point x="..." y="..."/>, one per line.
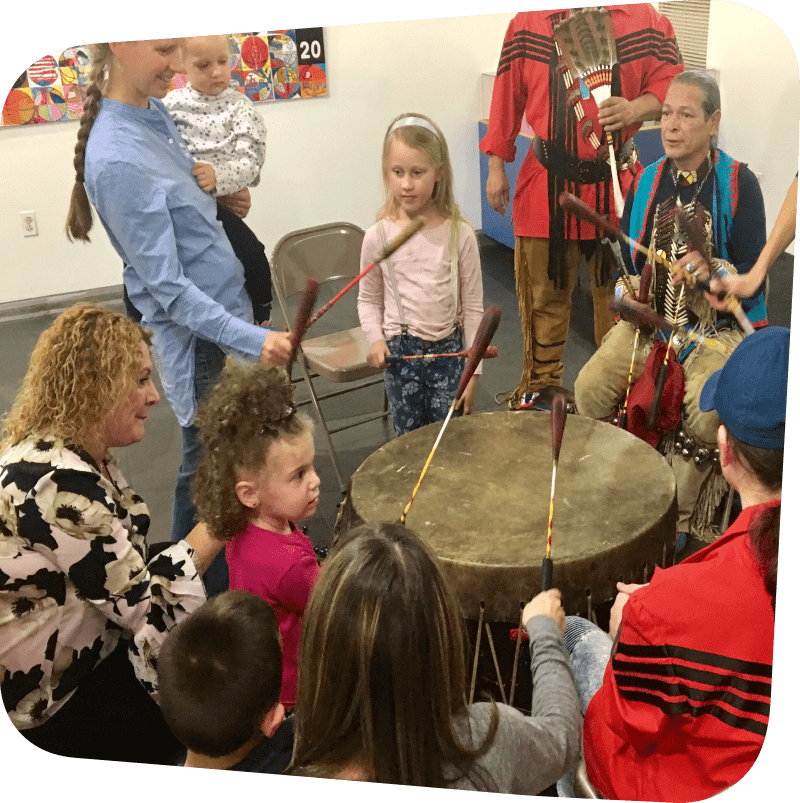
<point x="685" y="699"/>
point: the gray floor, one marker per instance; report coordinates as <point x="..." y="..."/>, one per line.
<point x="151" y="465"/>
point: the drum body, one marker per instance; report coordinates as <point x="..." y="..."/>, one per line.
<point x="483" y="507"/>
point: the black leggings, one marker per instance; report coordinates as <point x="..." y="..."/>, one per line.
<point x="110" y="716"/>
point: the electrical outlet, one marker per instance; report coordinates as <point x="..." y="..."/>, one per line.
<point x="760" y="179"/>
<point x="29" y="227"/>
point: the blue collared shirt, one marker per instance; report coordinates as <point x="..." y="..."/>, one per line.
<point x="181" y="272"/>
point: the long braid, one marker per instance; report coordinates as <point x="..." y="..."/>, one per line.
<point x="79" y="218"/>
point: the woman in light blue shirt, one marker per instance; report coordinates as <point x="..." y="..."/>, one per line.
<point x="181" y="272"/>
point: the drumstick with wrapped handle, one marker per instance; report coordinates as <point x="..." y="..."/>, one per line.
<point x="663" y="370"/>
<point x="558" y="418"/>
<point x="491" y="352"/>
<point x="406" y="234"/>
<point x="483" y="337"/>
<point x="644" y="290"/>
<point x="639" y="314"/>
<point x="304" y="307"/>
<point x="579" y="208"/>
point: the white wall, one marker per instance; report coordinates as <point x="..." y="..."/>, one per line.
<point x="760" y="90"/>
<point x="323" y="158"/>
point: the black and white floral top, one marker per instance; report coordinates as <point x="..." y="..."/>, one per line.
<point x="74" y="578"/>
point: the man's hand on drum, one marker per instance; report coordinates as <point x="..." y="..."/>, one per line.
<point x="277" y="348"/>
<point x="376" y="357"/>
<point x="625" y="590"/>
<point x="547" y="603"/>
<point x="467" y="396"/>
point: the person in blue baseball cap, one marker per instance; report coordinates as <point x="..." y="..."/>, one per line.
<point x="677" y="699"/>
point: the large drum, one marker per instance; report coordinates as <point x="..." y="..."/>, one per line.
<point x="483" y="507"/>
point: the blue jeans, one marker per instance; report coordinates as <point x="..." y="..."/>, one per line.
<point x="589" y="648"/>
<point x="208" y="362"/>
<point x="420" y="392"/>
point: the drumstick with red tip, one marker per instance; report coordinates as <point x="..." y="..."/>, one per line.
<point x="644" y="290"/>
<point x="491" y="352"/>
<point x="558" y="419"/>
<point x="406" y="234"/>
<point x="304" y="307"/>
<point x="577" y="207"/>
<point x="486" y="329"/>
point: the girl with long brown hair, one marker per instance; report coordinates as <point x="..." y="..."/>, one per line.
<point x="381" y="694"/>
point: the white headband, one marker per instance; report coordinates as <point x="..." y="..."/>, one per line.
<point x="421" y="122"/>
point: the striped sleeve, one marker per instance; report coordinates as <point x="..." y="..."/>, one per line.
<point x="657" y="684"/>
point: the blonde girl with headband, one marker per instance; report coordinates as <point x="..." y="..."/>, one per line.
<point x="428" y="296"/>
<point x="255" y="481"/>
<point x="132" y="166"/>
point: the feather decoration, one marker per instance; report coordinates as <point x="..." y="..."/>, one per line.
<point x="586" y="43"/>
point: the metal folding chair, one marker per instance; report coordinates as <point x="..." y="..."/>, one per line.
<point x="330" y="254"/>
<point x="583" y="786"/>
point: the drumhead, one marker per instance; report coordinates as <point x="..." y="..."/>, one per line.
<point x="483" y="505"/>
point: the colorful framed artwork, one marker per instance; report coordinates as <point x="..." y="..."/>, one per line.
<point x="267" y="66"/>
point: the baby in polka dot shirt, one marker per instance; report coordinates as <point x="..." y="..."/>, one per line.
<point x="226" y="137"/>
<point x="221" y="127"/>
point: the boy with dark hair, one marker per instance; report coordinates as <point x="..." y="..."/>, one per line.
<point x="219" y="683"/>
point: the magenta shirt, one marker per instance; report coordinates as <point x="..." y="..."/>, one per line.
<point x="281" y="569"/>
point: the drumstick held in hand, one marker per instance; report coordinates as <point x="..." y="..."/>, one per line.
<point x="406" y="234"/>
<point x="644" y="290"/>
<point x="577" y="207"/>
<point x="304" y="306"/>
<point x="641" y="315"/>
<point x="486" y="329"/>
<point x="692" y="229"/>
<point x="491" y="352"/>
<point x="558" y="418"/>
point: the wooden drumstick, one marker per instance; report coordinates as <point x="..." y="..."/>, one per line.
<point x="558" y="418"/>
<point x="579" y="208"/>
<point x="491" y="352"/>
<point x="486" y="329"/>
<point x="304" y="306"/>
<point x="644" y="290"/>
<point x="619" y="203"/>
<point x="641" y="315"/>
<point x="663" y="369"/>
<point x="406" y="234"/>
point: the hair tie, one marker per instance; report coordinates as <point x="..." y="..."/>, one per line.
<point x="418" y="121"/>
<point x="272" y="427"/>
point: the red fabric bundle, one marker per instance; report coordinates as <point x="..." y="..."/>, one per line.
<point x="643" y="395"/>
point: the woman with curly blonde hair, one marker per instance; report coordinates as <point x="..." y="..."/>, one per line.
<point x="255" y="481"/>
<point x="82" y="611"/>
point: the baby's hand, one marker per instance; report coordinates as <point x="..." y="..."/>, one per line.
<point x="205" y="175"/>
